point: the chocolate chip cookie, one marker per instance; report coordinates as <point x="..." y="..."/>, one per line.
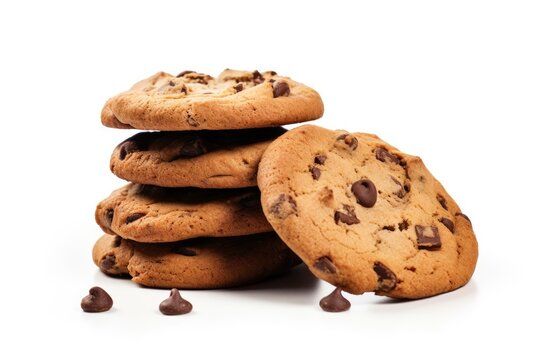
<point x="204" y="159"/>
<point x="364" y="216"/>
<point x="195" y="101"/>
<point x="203" y="263"/>
<point x="148" y="213"/>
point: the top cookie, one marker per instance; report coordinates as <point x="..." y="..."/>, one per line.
<point x="363" y="215"/>
<point x="195" y="101"/>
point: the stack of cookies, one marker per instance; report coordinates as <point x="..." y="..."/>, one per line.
<point x="190" y="216"/>
<point x="222" y="196"/>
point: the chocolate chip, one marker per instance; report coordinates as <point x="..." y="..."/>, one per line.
<point x="383" y="155"/>
<point x="191" y="148"/>
<point x="171" y="83"/>
<point x="427" y="237"/>
<point x="108" y="262"/>
<point x="175" y="304"/>
<point x="442" y="201"/>
<point x="283" y="206"/>
<point x="126" y="148"/>
<point x="386" y="279"/>
<point x="320" y="159"/>
<point x="135" y="216"/>
<point x="257" y="77"/>
<point x="335" y="302"/>
<point x="117" y="241"/>
<point x="280" y="88"/>
<point x="325" y="264"/>
<point x="349" y="140"/>
<point x="238" y="87"/>
<point x="349" y="218"/>
<point x="365" y="192"/>
<point x="97" y="301"/>
<point x="182" y="250"/>
<point x="109" y="214"/>
<point x="273" y="73"/>
<point x="389" y="228"/>
<point x="404" y="225"/>
<point x="448" y="223"/>
<point x="185" y="72"/>
<point x="315" y="172"/>
<point x="464" y="216"/>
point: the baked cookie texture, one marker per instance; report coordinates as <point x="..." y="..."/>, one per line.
<point x="196" y="101"/>
<point x="364" y="216"/>
<point x="204" y="263"/>
<point x="148" y="213"/>
<point x="204" y="159"/>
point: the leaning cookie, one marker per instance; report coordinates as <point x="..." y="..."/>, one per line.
<point x="148" y="213"/>
<point x="364" y="216"/>
<point x="204" y="263"/>
<point x="195" y="101"/>
<point x="204" y="159"/>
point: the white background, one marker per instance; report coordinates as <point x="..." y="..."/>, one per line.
<point x="456" y="82"/>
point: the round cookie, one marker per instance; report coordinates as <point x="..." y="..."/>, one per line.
<point x="148" y="213"/>
<point x="195" y="101"/>
<point x="204" y="263"/>
<point x="364" y="216"/>
<point x="204" y="159"/>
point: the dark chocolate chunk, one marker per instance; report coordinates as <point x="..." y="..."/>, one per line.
<point x="325" y="264"/>
<point x="126" y="148"/>
<point x="442" y="201"/>
<point x="108" y="262"/>
<point x="349" y="140"/>
<point x="182" y="250"/>
<point x="175" y="304"/>
<point x="109" y="215"/>
<point x="365" y="192"/>
<point x="257" y="77"/>
<point x="185" y="72"/>
<point x="320" y="159"/>
<point x="238" y="87"/>
<point x="192" y="147"/>
<point x="283" y="206"/>
<point x="383" y="155"/>
<point x="280" y="88"/>
<point x="315" y="172"/>
<point x="448" y="223"/>
<point x="389" y="228"/>
<point x="135" y="216"/>
<point x="335" y="302"/>
<point x="97" y="301"/>
<point x="464" y="216"/>
<point x="386" y="279"/>
<point x="171" y="83"/>
<point x="427" y="237"/>
<point x="349" y="218"/>
<point x="117" y="241"/>
<point x="404" y="189"/>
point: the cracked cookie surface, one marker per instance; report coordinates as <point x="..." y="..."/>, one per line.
<point x="363" y="215"/>
<point x="196" y="101"/>
<point x="147" y="213"/>
<point x="204" y="159"/>
<point x="203" y="263"/>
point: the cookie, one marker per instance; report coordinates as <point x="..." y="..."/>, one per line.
<point x="148" y="213"/>
<point x="364" y="216"/>
<point x="204" y="263"/>
<point x="196" y="101"/>
<point x="204" y="159"/>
